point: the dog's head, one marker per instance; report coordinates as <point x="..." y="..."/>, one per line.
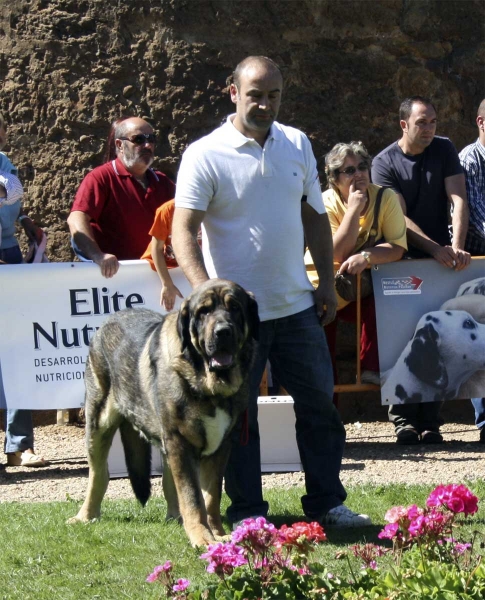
<point x="475" y="286"/>
<point x="448" y="346"/>
<point x="215" y="322"/>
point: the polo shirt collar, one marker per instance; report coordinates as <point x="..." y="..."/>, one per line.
<point x="120" y="169"/>
<point x="238" y="139"/>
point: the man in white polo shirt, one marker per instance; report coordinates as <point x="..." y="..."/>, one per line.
<point x="253" y="186"/>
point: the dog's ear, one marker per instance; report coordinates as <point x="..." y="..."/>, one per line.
<point x="253" y="316"/>
<point x="183" y="324"/>
<point x="424" y="359"/>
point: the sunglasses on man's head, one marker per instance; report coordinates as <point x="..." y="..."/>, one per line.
<point x="349" y="171"/>
<point x="141" y="138"/>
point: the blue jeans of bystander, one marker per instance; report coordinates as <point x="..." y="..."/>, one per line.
<point x="479" y="406"/>
<point x="299" y="357"/>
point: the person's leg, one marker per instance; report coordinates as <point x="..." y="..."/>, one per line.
<point x="405" y="418"/>
<point x="301" y="360"/>
<point x="429" y="416"/>
<point x="242" y="479"/>
<point x="369" y="355"/>
<point x="19" y="431"/>
<point x="19" y="428"/>
<point x="331" y="337"/>
<point x="479" y="407"/>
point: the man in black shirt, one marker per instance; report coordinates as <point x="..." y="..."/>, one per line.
<point x="425" y="171"/>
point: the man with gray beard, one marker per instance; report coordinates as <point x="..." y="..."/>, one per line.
<point x="116" y="203"/>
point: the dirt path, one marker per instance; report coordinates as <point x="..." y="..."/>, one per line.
<point x="370" y="456"/>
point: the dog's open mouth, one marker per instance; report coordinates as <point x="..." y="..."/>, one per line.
<point x="221" y="360"/>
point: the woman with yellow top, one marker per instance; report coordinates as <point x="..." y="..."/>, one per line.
<point x="350" y="201"/>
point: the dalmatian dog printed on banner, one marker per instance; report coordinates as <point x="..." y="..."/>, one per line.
<point x="445" y="357"/>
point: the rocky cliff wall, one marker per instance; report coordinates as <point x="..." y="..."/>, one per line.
<point x="68" y="67"/>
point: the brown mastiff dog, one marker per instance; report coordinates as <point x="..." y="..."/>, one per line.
<point x="179" y="381"/>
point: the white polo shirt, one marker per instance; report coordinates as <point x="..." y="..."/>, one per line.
<point x="252" y="232"/>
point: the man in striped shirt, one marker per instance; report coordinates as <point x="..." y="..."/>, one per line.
<point x="472" y="160"/>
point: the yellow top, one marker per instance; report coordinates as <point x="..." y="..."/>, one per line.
<point x="391" y="225"/>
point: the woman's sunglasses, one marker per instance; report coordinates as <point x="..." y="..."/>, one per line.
<point x="349" y="171"/>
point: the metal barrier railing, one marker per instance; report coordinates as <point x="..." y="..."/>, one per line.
<point x="358" y="386"/>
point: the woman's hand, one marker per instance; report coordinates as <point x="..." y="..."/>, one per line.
<point x="357" y="198"/>
<point x="354" y="264"/>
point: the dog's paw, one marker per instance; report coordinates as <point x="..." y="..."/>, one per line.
<point x="222" y="538"/>
<point x="81" y="519"/>
<point x="177" y="518"/>
<point x="200" y="537"/>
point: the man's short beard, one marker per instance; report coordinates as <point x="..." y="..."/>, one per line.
<point x="133" y="159"/>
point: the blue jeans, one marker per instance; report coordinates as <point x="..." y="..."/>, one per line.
<point x="479" y="406"/>
<point x="19" y="430"/>
<point x="300" y="360"/>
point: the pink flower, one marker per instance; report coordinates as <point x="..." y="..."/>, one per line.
<point x="157" y="571"/>
<point x="389" y="532"/>
<point x="395" y="514"/>
<point x="224" y="558"/>
<point x="181" y="585"/>
<point x="414" y="511"/>
<point x="456" y="498"/>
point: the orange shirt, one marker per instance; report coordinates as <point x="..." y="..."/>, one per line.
<point x="162" y="230"/>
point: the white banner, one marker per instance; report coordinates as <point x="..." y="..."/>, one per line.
<point x="50" y="311"/>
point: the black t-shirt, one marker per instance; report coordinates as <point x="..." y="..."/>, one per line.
<point x="421" y="181"/>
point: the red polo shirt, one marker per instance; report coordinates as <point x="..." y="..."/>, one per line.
<point x="121" y="211"/>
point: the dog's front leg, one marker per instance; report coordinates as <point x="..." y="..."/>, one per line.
<point x="211" y="475"/>
<point x="184" y="465"/>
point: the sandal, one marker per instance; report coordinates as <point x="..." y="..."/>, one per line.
<point x="25" y="459"/>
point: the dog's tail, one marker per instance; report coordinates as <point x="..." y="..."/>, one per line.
<point x="138" y="457"/>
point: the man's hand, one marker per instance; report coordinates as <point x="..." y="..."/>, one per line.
<point x="450" y="258"/>
<point x="326" y="302"/>
<point x="108" y="263"/>
<point x="33" y="232"/>
<point x="463" y="259"/>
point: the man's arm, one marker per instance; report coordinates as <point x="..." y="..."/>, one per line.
<point x="11" y="189"/>
<point x="417" y="238"/>
<point x="185" y="227"/>
<point x="80" y="227"/>
<point x="456" y="191"/>
<point x="318" y="235"/>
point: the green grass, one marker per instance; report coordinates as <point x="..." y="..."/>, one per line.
<point x="42" y="558"/>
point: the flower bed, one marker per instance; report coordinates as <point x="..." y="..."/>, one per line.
<point x="429" y="560"/>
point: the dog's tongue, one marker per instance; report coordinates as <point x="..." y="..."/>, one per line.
<point x="221" y="359"/>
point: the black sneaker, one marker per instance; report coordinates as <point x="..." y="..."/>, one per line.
<point x="482" y="435"/>
<point x="407" y="436"/>
<point x="431" y="437"/>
